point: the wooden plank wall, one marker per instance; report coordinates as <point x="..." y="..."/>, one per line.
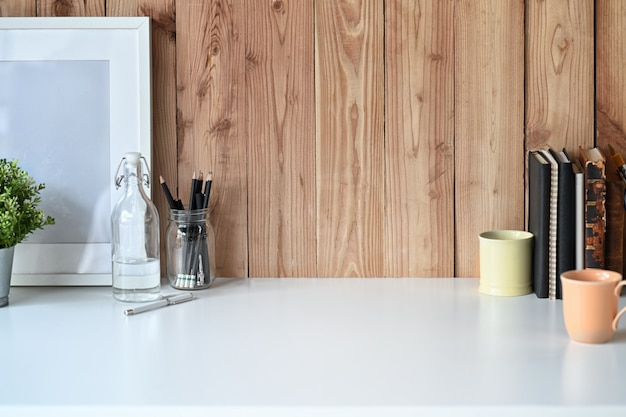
<point x="489" y="119"/>
<point x="611" y="109"/>
<point x="368" y="138"/>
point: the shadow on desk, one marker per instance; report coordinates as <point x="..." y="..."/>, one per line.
<point x="619" y="337"/>
<point x="31" y="295"/>
<point x="226" y="282"/>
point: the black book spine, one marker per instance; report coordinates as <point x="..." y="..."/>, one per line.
<point x="566" y="224"/>
<point x="539" y="220"/>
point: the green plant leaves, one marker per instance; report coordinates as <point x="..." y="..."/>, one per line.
<point x="19" y="201"/>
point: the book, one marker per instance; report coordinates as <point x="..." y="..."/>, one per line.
<point x="539" y="178"/>
<point x="552" y="228"/>
<point x="594" y="166"/>
<point x="614" y="239"/>
<point x="614" y="236"/>
<point x="579" y="217"/>
<point x="566" y="226"/>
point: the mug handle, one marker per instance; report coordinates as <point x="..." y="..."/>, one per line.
<point x="618" y="290"/>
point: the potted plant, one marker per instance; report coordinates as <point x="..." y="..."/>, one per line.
<point x="19" y="216"/>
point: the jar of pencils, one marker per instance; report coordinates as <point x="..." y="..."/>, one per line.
<point x="190" y="249"/>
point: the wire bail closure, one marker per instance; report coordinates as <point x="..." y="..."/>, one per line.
<point x="145" y="177"/>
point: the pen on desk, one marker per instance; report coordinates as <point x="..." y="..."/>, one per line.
<point x="166" y="301"/>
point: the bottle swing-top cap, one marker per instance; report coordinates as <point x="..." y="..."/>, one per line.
<point x="133" y="159"/>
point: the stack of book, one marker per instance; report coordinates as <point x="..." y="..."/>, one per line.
<point x="566" y="213"/>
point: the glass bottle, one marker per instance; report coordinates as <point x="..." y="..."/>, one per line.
<point x="135" y="234"/>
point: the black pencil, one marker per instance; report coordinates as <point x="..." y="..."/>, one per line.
<point x="168" y="195"/>
<point x="199" y="200"/>
<point x="207" y="190"/>
<point x="192" y="195"/>
<point x="199" y="183"/>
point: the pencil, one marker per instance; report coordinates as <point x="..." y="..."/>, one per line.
<point x="199" y="200"/>
<point x="168" y="195"/>
<point x="207" y="190"/>
<point x="199" y="183"/>
<point x="192" y="194"/>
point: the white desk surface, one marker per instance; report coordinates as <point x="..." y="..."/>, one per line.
<point x="303" y="347"/>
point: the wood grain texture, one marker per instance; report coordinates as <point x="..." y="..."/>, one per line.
<point x="164" y="143"/>
<point x="610" y="77"/>
<point x="388" y="145"/>
<point x="559" y="79"/>
<point x="163" y="77"/>
<point x="18" y="8"/>
<point x="210" y="71"/>
<point x="419" y="138"/>
<point x="611" y="112"/>
<point x="349" y="135"/>
<point x="281" y="138"/>
<point x="489" y="120"/>
<point x="124" y="7"/>
<point x="70" y="7"/>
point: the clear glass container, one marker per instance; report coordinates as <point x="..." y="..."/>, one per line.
<point x="190" y="246"/>
<point x="135" y="233"/>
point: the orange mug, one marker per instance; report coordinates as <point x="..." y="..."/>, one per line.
<point x="590" y="304"/>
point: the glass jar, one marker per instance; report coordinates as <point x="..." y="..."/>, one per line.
<point x="135" y="236"/>
<point x="190" y="246"/>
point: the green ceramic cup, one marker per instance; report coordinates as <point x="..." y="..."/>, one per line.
<point x="506" y="259"/>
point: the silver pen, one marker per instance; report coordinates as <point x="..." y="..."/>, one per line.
<point x="166" y="301"/>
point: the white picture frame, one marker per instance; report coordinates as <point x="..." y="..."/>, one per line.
<point x="61" y="76"/>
